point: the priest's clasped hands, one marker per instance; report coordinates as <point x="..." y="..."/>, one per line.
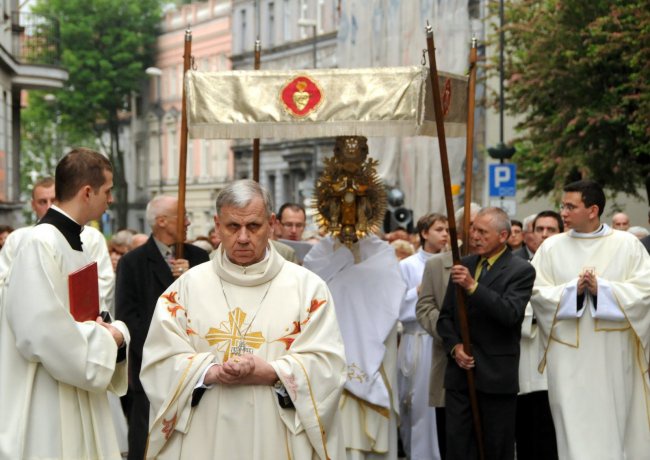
<point x="587" y="280"/>
<point x="244" y="369"/>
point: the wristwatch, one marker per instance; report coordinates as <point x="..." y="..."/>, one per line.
<point x="279" y="388"/>
<point x="283" y="395"/>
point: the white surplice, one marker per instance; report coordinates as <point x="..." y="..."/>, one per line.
<point x="54" y="371"/>
<point x="417" y="418"/>
<point x="596" y="356"/>
<point x="94" y="245"/>
<point x="367" y="294"/>
<point x="286" y="316"/>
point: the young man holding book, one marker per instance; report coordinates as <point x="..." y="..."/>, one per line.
<point x="55" y="371"/>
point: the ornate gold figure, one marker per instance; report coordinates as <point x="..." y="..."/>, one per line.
<point x="350" y="197"/>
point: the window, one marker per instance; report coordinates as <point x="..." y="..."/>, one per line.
<point x="320" y="15"/>
<point x="242" y="30"/>
<point x="271" y="24"/>
<point x="304" y="6"/>
<point x="287" y="22"/>
<point x="205" y="157"/>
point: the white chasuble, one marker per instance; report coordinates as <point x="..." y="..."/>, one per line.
<point x="596" y="354"/>
<point x="367" y="293"/>
<point x="54" y="371"/>
<point x="276" y="310"/>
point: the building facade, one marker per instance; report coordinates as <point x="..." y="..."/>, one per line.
<point x="294" y="34"/>
<point x="29" y="59"/>
<point x="209" y="162"/>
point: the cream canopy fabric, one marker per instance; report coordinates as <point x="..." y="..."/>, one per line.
<point x="390" y="101"/>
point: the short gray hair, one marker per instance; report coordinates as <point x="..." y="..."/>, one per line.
<point x="638" y="231"/>
<point x="528" y="222"/>
<point x="460" y="214"/>
<point x="499" y="217"/>
<point x="122" y="238"/>
<point x="239" y="194"/>
<point x="156" y="208"/>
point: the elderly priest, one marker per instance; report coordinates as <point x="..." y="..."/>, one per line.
<point x="244" y="358"/>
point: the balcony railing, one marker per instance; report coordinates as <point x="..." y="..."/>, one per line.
<point x="36" y="39"/>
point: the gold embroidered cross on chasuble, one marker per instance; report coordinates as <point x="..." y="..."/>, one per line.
<point x="227" y="336"/>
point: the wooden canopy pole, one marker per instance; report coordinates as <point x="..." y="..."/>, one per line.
<point x="256" y="142"/>
<point x="469" y="148"/>
<point x="453" y="236"/>
<point x="180" y="219"/>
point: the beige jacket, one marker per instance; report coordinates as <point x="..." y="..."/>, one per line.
<point x="427" y="310"/>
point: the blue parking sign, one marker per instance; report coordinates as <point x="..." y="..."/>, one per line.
<point x="503" y="179"/>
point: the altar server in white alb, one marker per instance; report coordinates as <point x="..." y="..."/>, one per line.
<point x="592" y="303"/>
<point x="244" y="358"/>
<point x="54" y="371"/>
<point x="93" y="243"/>
<point x="417" y="418"/>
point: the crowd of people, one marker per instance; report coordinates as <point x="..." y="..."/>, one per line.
<point x="266" y="340"/>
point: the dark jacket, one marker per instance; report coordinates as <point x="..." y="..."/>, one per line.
<point x="495" y="312"/>
<point x="142" y="276"/>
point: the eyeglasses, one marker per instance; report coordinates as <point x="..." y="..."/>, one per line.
<point x="568" y="206"/>
<point x="289" y="225"/>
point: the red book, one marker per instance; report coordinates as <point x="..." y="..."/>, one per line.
<point x="83" y="290"/>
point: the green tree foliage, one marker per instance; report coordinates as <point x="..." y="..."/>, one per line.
<point x="106" y="45"/>
<point x="43" y="140"/>
<point x="578" y="71"/>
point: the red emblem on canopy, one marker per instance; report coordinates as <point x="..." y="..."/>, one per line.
<point x="301" y="96"/>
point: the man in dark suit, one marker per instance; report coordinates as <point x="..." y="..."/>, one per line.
<point x="142" y="276"/>
<point x="531" y="241"/>
<point x="495" y="310"/>
<point x="534" y="429"/>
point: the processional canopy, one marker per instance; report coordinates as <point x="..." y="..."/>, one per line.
<point x="292" y="104"/>
<point x="350" y="104"/>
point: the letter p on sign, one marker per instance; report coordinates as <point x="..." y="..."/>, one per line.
<point x="503" y="179"/>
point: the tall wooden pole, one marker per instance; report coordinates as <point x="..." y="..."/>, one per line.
<point x="256" y="142"/>
<point x="469" y="148"/>
<point x="446" y="178"/>
<point x="180" y="219"/>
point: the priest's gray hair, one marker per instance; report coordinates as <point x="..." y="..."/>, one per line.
<point x="240" y="193"/>
<point x="500" y="218"/>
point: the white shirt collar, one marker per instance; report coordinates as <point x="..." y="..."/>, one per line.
<point x="603" y="230"/>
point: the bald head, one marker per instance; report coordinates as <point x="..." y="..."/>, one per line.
<point x="162" y="216"/>
<point x="621" y="221"/>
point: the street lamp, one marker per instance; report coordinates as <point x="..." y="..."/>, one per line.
<point x="156" y="73"/>
<point x="314" y="25"/>
<point x="501" y="151"/>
